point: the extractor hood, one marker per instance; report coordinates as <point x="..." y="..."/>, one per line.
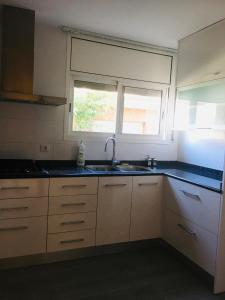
<point x="18" y="58"/>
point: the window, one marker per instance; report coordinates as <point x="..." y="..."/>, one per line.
<point x="101" y="106"/>
<point x="141" y="112"/>
<point x="94" y="107"/>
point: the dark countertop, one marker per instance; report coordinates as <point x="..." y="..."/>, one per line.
<point x="200" y="176"/>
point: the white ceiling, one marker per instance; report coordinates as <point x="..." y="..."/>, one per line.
<point x="159" y="22"/>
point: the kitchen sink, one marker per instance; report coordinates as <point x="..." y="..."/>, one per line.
<point x="101" y="168"/>
<point x="132" y="168"/>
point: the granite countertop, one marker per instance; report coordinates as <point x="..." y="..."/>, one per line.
<point x="200" y="176"/>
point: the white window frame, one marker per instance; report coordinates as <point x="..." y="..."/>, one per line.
<point x="71" y="135"/>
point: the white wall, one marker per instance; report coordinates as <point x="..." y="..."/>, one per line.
<point x="23" y="127"/>
<point x="202" y="147"/>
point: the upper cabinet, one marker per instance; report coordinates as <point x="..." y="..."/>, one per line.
<point x="120" y="61"/>
<point x="201" y="56"/>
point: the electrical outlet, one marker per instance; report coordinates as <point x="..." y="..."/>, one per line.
<point x="45" y="148"/>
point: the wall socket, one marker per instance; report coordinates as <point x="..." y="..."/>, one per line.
<point x="45" y="148"/>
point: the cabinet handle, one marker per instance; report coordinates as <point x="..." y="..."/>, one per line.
<point x="186" y="230"/>
<point x="13" y="228"/>
<point x="115" y="184"/>
<point x="190" y="195"/>
<point x="72" y="222"/>
<point x="71" y="241"/>
<point x="14" y="208"/>
<point x="147" y="183"/>
<point x="14" y="188"/>
<point x="73" y="204"/>
<point x="74" y="186"/>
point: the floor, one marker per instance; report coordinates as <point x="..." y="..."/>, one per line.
<point x="153" y="274"/>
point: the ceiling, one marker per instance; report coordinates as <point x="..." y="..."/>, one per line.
<point x="158" y="22"/>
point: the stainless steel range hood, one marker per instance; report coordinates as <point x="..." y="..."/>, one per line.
<point x="18" y="58"/>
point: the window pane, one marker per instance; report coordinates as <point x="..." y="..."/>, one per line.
<point x="94" y="107"/>
<point x="141" y="111"/>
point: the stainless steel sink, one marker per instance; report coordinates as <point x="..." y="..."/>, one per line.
<point x="101" y="168"/>
<point x="132" y="168"/>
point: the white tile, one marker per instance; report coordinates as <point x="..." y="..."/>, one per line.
<point x="17" y="110"/>
<point x="65" y="151"/>
<point x="17" y="150"/>
<point x="48" y="131"/>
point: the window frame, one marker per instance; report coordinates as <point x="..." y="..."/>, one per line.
<point x="71" y="135"/>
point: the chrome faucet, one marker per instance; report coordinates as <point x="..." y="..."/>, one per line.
<point x="113" y="139"/>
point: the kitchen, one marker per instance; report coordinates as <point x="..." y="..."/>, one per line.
<point x="112" y="152"/>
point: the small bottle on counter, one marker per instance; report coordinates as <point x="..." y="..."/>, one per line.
<point x="81" y="155"/>
<point x="153" y="163"/>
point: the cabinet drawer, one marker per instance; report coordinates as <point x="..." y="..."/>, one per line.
<point x="198" y="205"/>
<point x="20" y="188"/>
<point x="191" y="240"/>
<point x="72" y="204"/>
<point x="70" y="240"/>
<point x="73" y="186"/>
<point x="25" y="236"/>
<point x="71" y="222"/>
<point x="25" y="207"/>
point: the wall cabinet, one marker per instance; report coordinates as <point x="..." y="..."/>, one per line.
<point x="201" y="56"/>
<point x="114" y="209"/>
<point x="146" y="209"/>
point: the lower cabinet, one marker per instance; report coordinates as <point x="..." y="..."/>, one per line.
<point x="114" y="209"/>
<point x="146" y="212"/>
<point x="193" y="241"/>
<point x="22" y="236"/>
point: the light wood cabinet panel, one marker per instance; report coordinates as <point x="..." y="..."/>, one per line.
<point x="71" y="222"/>
<point x="114" y="208"/>
<point x="201" y="56"/>
<point x="21" y="188"/>
<point x="24" y="236"/>
<point x="70" y="240"/>
<point x="196" y="204"/>
<point x="73" y="186"/>
<point x="25" y="207"/>
<point x="105" y="59"/>
<point x="191" y="240"/>
<point x="72" y="204"/>
<point x="146" y="208"/>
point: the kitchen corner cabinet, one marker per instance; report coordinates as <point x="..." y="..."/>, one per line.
<point x="146" y="208"/>
<point x="114" y="209"/>
<point x="201" y="56"/>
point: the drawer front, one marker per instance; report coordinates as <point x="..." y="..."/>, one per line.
<point x="21" y="188"/>
<point x="71" y="222"/>
<point x="72" y="204"/>
<point x="73" y="186"/>
<point x="191" y="240"/>
<point x="25" y="236"/>
<point x="198" y="205"/>
<point x="70" y="240"/>
<point x="21" y="208"/>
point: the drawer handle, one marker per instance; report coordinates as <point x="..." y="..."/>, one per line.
<point x="192" y="196"/>
<point x="14" y="208"/>
<point x="186" y="230"/>
<point x="13" y="228"/>
<point x="147" y="183"/>
<point x="115" y="184"/>
<point x="71" y="241"/>
<point x="4" y="188"/>
<point x="73" y="204"/>
<point x="73" y="222"/>
<point x="73" y="186"/>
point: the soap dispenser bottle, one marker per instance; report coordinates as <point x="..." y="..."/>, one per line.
<point x="81" y="155"/>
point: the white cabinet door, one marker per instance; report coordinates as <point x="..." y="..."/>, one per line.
<point x="105" y="59"/>
<point x="146" y="208"/>
<point x="114" y="208"/>
<point x="201" y="56"/>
